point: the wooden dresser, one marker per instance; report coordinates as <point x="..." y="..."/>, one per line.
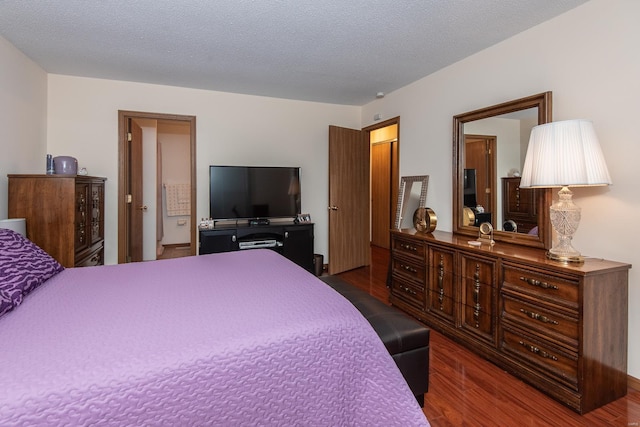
<point x="519" y="204"/>
<point x="65" y="215"/>
<point x="561" y="328"/>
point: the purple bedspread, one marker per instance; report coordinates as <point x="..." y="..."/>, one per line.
<point x="234" y="339"/>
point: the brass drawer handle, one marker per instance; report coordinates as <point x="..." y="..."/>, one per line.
<point x="476" y="296"/>
<point x="535" y="350"/>
<point x="538" y="283"/>
<point x="540" y="317"/>
<point x="441" y="283"/>
<point x="408" y="268"/>
<point x="408" y="247"/>
<point x="408" y="290"/>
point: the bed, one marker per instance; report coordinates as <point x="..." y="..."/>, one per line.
<point x="239" y="338"/>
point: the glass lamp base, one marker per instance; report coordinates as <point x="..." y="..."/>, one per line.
<point x="565" y="218"/>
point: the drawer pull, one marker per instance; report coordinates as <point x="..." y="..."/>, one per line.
<point x="408" y="268"/>
<point x="408" y="290"/>
<point x="408" y="247"/>
<point x="538" y="283"/>
<point x="476" y="296"/>
<point x="535" y="350"/>
<point x="540" y="317"/>
<point x="441" y="282"/>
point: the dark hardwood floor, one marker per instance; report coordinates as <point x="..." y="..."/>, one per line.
<point x="175" y="251"/>
<point x="466" y="390"/>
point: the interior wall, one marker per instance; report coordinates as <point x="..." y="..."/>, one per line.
<point x="174" y="140"/>
<point x="586" y="57"/>
<point x="231" y="129"/>
<point x="23" y="117"/>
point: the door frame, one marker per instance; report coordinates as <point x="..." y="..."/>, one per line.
<point x="490" y="173"/>
<point x="123" y="176"/>
<point x="395" y="164"/>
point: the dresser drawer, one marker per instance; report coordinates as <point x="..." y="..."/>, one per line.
<point x="410" y="269"/>
<point x="546" y="287"/>
<point x="411" y="248"/>
<point x="441" y="260"/>
<point x="549" y="360"/>
<point x="441" y="305"/>
<point x="95" y="258"/>
<point x="408" y="291"/>
<point x="546" y="322"/>
<point x="479" y="320"/>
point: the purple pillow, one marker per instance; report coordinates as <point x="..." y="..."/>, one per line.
<point x="23" y="267"/>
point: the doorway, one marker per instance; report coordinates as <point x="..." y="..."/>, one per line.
<point x="384" y="181"/>
<point x="140" y="227"/>
<point x="480" y="154"/>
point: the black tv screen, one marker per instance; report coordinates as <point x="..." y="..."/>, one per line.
<point x="470" y="188"/>
<point x="250" y="192"/>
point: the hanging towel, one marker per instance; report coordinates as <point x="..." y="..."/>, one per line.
<point x="178" y="199"/>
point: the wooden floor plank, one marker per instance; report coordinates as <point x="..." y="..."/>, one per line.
<point x="466" y="390"/>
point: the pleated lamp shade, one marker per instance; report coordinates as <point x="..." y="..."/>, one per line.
<point x="564" y="153"/>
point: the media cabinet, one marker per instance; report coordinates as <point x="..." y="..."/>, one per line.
<point x="294" y="241"/>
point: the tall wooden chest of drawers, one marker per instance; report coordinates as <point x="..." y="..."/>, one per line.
<point x="64" y="213"/>
<point x="519" y="204"/>
<point x="560" y="327"/>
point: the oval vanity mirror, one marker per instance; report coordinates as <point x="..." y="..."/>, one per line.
<point x="489" y="147"/>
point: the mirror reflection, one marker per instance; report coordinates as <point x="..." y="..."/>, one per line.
<point x="490" y="145"/>
<point x="495" y="149"/>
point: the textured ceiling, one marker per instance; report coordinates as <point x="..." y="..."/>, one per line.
<point x="334" y="51"/>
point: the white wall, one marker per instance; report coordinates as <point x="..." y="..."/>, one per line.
<point x="230" y="129"/>
<point x="589" y="58"/>
<point x="23" y="117"/>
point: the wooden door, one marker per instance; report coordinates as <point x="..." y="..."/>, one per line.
<point x="480" y="154"/>
<point x="381" y="194"/>
<point x="136" y="207"/>
<point x="348" y="200"/>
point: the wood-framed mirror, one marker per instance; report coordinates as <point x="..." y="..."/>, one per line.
<point x="489" y="147"/>
<point x="411" y="196"/>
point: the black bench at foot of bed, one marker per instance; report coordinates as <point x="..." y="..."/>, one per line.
<point x="405" y="338"/>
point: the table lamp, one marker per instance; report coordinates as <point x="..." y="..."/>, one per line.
<point x="564" y="154"/>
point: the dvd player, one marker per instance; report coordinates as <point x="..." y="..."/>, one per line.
<point x="255" y="244"/>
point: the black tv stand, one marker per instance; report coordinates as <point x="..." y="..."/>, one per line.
<point x="294" y="241"/>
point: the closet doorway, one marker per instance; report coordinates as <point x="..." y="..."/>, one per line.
<point x="384" y="179"/>
<point x="156" y="186"/>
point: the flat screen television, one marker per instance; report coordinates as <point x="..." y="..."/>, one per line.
<point x="470" y="188"/>
<point x="253" y="192"/>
